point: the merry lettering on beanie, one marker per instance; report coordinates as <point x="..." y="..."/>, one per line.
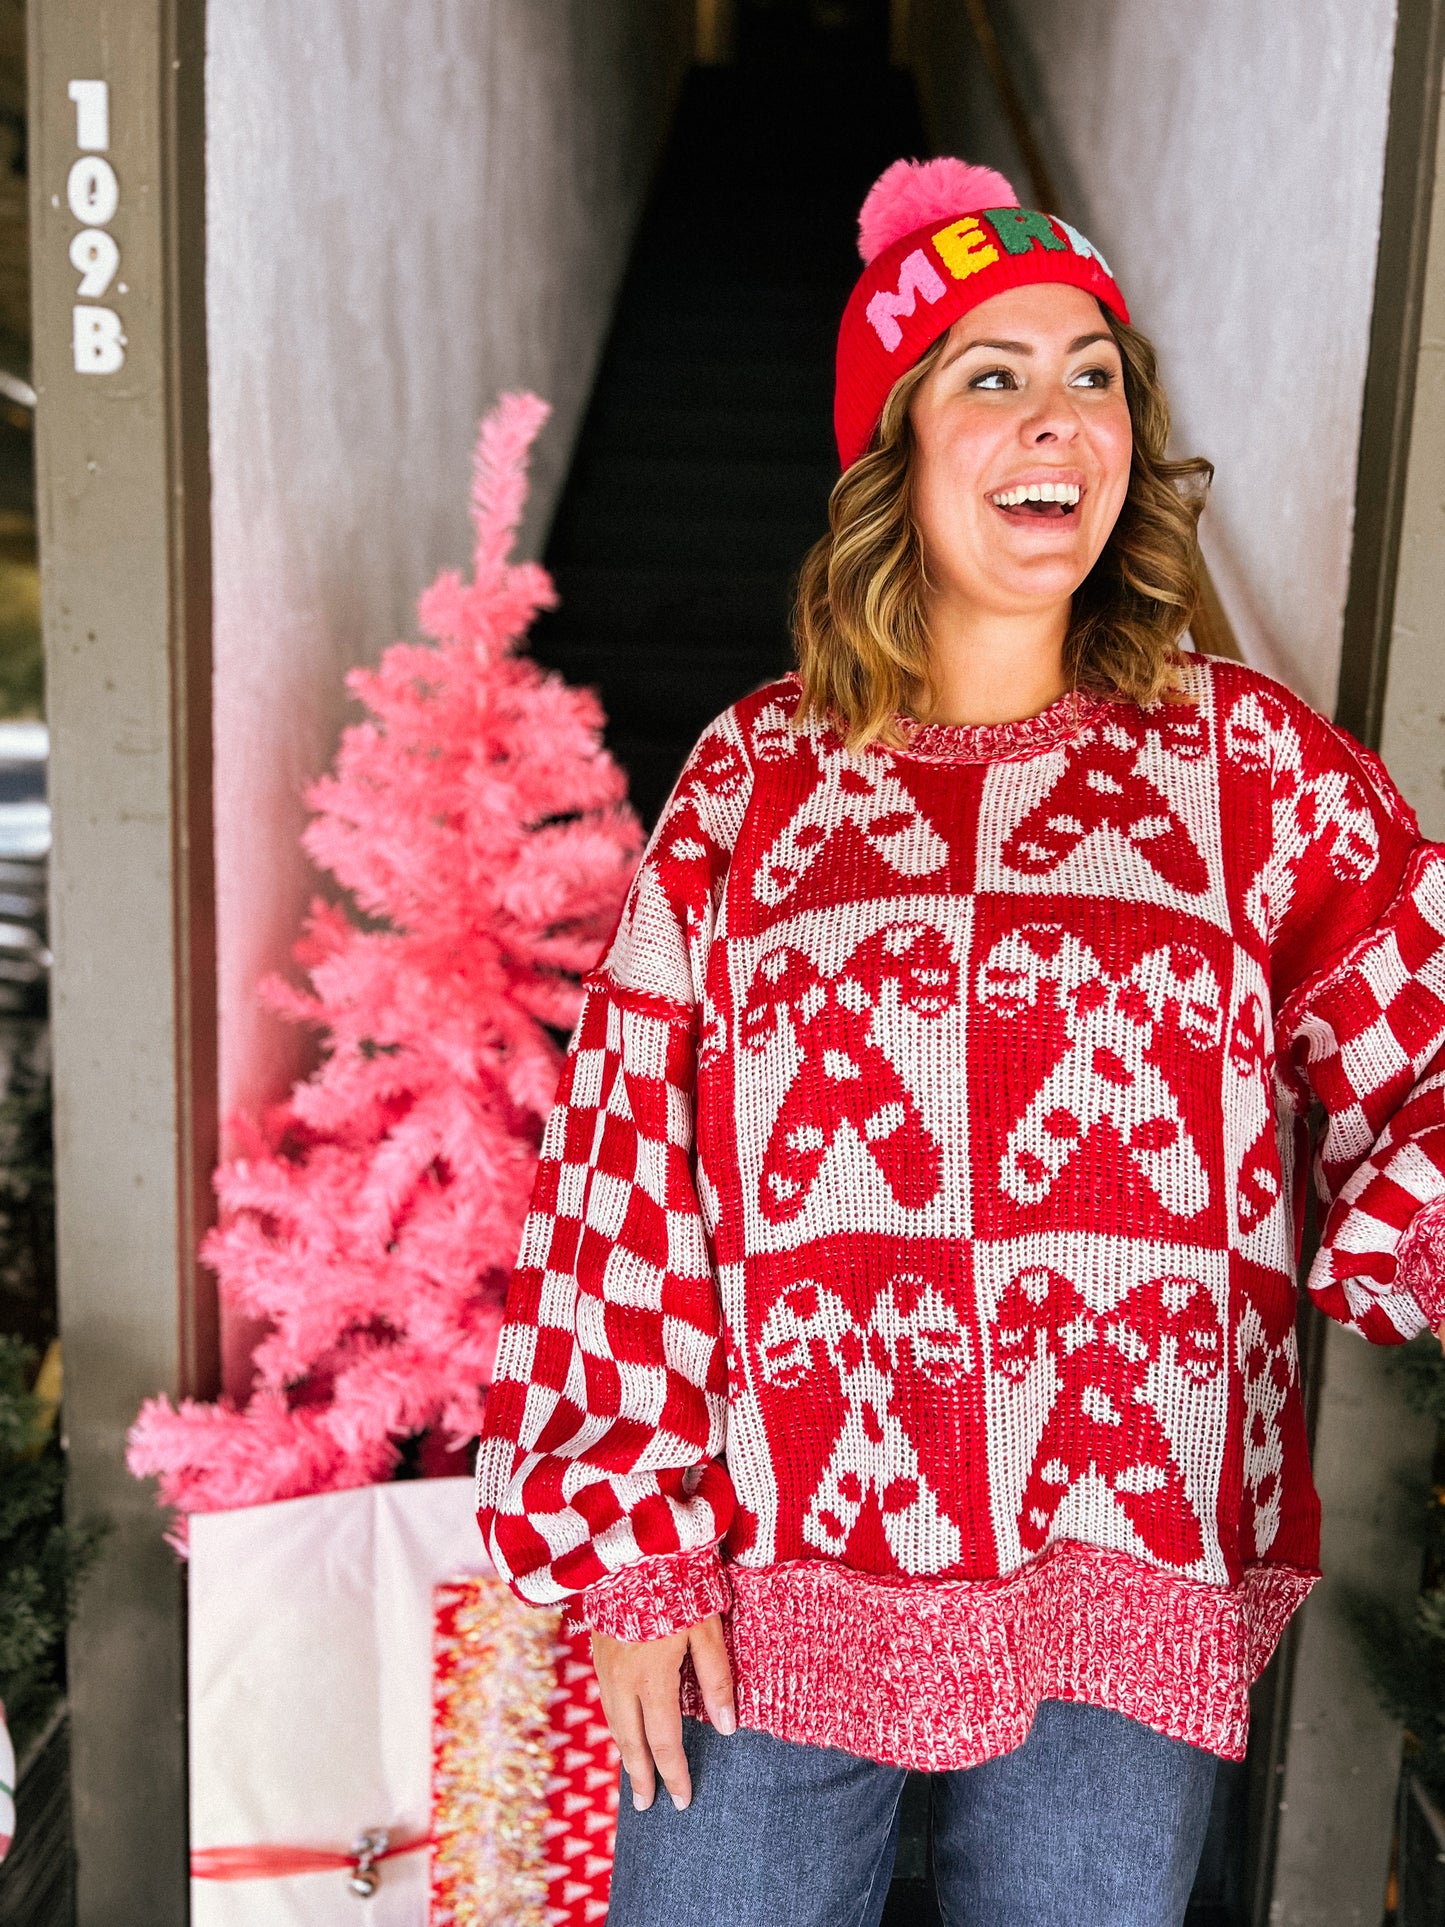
<point x="938" y="238"/>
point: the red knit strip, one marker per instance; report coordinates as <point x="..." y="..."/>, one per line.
<point x="657" y="1596"/>
<point x="1420" y="1261"/>
<point x="944" y="1675"/>
<point x="643" y="1003"/>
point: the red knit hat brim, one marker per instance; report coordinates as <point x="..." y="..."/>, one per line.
<point x="914" y="289"/>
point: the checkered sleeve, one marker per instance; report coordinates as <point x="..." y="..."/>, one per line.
<point x="600" y="1475"/>
<point x="602" y="1449"/>
<point x="1359" y="974"/>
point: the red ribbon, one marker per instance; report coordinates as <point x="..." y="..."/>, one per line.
<point x="276" y="1863"/>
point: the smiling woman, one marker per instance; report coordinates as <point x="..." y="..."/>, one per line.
<point x="1030" y="441"/>
<point x="900" y="1367"/>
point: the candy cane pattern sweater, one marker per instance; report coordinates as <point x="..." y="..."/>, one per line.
<point x="911" y="1269"/>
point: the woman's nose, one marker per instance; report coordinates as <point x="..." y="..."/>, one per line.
<point x="1052" y="419"/>
<point x="1055" y="422"/>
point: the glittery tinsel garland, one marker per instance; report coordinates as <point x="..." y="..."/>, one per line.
<point x="494" y="1674"/>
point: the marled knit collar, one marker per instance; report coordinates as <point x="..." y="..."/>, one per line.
<point x="1065" y="717"/>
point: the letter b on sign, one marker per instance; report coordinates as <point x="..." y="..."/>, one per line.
<point x="99" y="342"/>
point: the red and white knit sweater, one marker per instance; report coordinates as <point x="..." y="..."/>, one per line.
<point x="911" y="1268"/>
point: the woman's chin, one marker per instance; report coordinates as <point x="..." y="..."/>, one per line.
<point x="1039" y="574"/>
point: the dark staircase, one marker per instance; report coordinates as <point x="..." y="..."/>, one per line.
<point x="702" y="472"/>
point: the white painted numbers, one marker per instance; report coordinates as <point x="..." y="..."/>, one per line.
<point x="95" y="258"/>
<point x="92" y="115"/>
<point x="93" y="193"/>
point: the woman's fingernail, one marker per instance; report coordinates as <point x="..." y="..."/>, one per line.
<point x="726" y="1721"/>
<point x="639" y="1803"/>
<point x="680" y="1803"/>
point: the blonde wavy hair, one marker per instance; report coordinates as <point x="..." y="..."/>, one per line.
<point x="859" y="630"/>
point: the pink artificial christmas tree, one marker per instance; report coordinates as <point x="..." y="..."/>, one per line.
<point x="484" y="837"/>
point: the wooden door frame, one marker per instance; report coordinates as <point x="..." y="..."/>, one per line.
<point x="1389" y="396"/>
<point x="1318" y="1725"/>
<point x="124" y="527"/>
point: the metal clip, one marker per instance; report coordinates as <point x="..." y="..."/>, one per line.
<point x="367" y="1849"/>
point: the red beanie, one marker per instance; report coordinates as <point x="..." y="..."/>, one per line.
<point x="938" y="237"/>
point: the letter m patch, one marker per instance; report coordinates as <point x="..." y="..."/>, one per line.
<point x="916" y="277"/>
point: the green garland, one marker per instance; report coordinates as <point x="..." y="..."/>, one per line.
<point x="42" y="1560"/>
<point x="1405" y="1653"/>
<point x="27" y="1202"/>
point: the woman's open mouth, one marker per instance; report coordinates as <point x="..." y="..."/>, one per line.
<point x="1038" y="501"/>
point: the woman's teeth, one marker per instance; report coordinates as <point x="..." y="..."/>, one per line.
<point x="1064" y="493"/>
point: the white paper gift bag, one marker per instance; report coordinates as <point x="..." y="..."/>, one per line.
<point x="310" y="1698"/>
<point x="358" y="1669"/>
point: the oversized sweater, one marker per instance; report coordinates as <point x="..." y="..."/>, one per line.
<point x="911" y="1270"/>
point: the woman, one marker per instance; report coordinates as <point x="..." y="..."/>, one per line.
<point x="900" y="1363"/>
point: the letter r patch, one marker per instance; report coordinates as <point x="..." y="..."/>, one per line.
<point x="1020" y="227"/>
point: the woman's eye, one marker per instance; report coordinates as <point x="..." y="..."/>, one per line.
<point x="994" y="378"/>
<point x="1095" y="378"/>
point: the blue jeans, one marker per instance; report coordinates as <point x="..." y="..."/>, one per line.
<point x="1095" y="1821"/>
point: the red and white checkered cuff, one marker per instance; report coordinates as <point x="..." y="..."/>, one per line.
<point x="657" y="1596"/>
<point x="1420" y="1261"/>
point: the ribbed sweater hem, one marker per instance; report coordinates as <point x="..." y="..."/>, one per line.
<point x="947" y="1674"/>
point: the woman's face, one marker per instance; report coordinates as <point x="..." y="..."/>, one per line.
<point x="1028" y="391"/>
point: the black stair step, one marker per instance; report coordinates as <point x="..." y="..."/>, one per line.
<point x="660" y="670"/>
<point x="711" y="627"/>
<point x="775" y="382"/>
<point x="789" y="298"/>
<point x="726" y="483"/>
<point x="650" y="531"/>
<point x="613" y="595"/>
<point x="686" y="426"/>
<point x="729" y="325"/>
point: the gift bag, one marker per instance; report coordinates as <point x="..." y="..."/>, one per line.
<point x="342" y="1647"/>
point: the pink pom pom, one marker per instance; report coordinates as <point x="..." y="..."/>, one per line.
<point x="909" y="194"/>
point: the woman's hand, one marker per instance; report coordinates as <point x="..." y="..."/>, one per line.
<point x="639" y="1682"/>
